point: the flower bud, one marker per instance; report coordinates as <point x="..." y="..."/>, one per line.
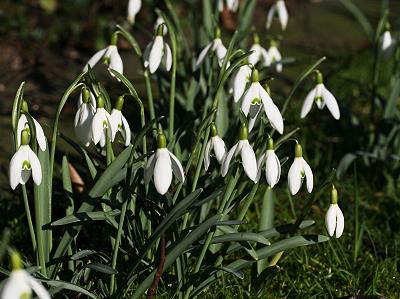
<point x="213" y="130"/>
<point x="298" y="151"/>
<point x="270" y="144"/>
<point x="161" y="141"/>
<point x="85" y="95"/>
<point x="255" y="76"/>
<point x="243" y="132"/>
<point x="100" y="101"/>
<point x="120" y="103"/>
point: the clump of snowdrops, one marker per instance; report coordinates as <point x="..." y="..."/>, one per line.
<point x="168" y="199"/>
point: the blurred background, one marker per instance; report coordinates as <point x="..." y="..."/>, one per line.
<point x="46" y="43"/>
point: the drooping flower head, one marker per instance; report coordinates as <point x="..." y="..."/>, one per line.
<point x="101" y="124"/>
<point x="275" y="56"/>
<point x="134" y="7"/>
<point x="243" y="149"/>
<point x="84" y="117"/>
<point x="119" y="122"/>
<point x="298" y="171"/>
<point x="259" y="54"/>
<point x="334" y="219"/>
<point x="215" y="144"/>
<point x="159" y="21"/>
<point x="109" y="55"/>
<point x="20" y="284"/>
<point x="24" y="125"/>
<point x="321" y="96"/>
<point x="278" y="8"/>
<point x="157" y="51"/>
<point x="255" y="98"/>
<point x="161" y="165"/>
<point x="272" y="165"/>
<point x="215" y="47"/>
<point x="24" y="163"/>
<point x="386" y="42"/>
<point x="231" y="5"/>
<point x="239" y="82"/>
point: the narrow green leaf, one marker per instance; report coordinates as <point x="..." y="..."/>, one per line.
<point x="101" y="268"/>
<point x="79" y="218"/>
<point x="344" y="164"/>
<point x="360" y="17"/>
<point x="391" y="104"/>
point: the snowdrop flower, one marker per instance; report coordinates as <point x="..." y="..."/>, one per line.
<point x="258" y="53"/>
<point x="84" y="117"/>
<point x="239" y="81"/>
<point x="24" y="125"/>
<point x="101" y="124"/>
<point x="24" y="163"/>
<point x="275" y="56"/>
<point x="217" y="145"/>
<point x="231" y="5"/>
<point x="119" y="122"/>
<point x="133" y="9"/>
<point x="279" y="8"/>
<point x="109" y="55"/>
<point x="216" y="46"/>
<point x="386" y="42"/>
<point x="272" y="165"/>
<point x="20" y="284"/>
<point x="298" y="171"/>
<point x="255" y="97"/>
<point x="156" y="51"/>
<point x="334" y="219"/>
<point x="321" y="96"/>
<point x="247" y="155"/>
<point x="161" y="165"/>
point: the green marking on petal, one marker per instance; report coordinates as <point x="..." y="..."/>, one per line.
<point x="256" y="101"/>
<point x="26" y="165"/>
<point x="105" y="124"/>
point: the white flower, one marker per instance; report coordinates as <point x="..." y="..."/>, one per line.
<point x="110" y="56"/>
<point x="334" y="219"/>
<point x="101" y="125"/>
<point x="256" y="96"/>
<point x="84" y="117"/>
<point x="40" y="137"/>
<point x="280" y="8"/>
<point x="156" y="51"/>
<point x="133" y="9"/>
<point x="24" y="163"/>
<point x="119" y="122"/>
<point x="161" y="165"/>
<point x="217" y="145"/>
<point x="298" y="171"/>
<point x="216" y="46"/>
<point x="275" y="57"/>
<point x="231" y="5"/>
<point x="247" y="155"/>
<point x="258" y="53"/>
<point x="272" y="165"/>
<point x="386" y="43"/>
<point x="239" y="81"/>
<point x="321" y="96"/>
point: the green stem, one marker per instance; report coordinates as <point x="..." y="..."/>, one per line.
<point x="356" y="215"/>
<point x="248" y="202"/>
<point x="149" y="96"/>
<point x="229" y="189"/>
<point x="29" y="218"/>
<point x="172" y="91"/>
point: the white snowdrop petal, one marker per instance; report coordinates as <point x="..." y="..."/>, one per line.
<point x="307" y="104"/>
<point x="339" y="222"/>
<point x="20" y="126"/>
<point x="149" y="169"/>
<point x="15" y="168"/>
<point x="282" y="13"/>
<point x="35" y="167"/>
<point x="97" y="126"/>
<point x="272" y="168"/>
<point x="221" y="52"/>
<point x="203" y="54"/>
<point x="207" y="154"/>
<point x="273" y="114"/>
<point x="330" y="219"/>
<point x="116" y="61"/>
<point x="219" y="148"/>
<point x="38" y="288"/>
<point x="294" y="177"/>
<point x="146" y="54"/>
<point x="156" y="53"/>
<point x="249" y="161"/>
<point x="255" y="55"/>
<point x="167" y="57"/>
<point x="227" y="161"/>
<point x="270" y="15"/>
<point x="126" y="130"/>
<point x="40" y="137"/>
<point x="133" y="9"/>
<point x="239" y="83"/>
<point x="115" y="120"/>
<point x="95" y="59"/>
<point x="16" y="286"/>
<point x="177" y="167"/>
<point x="162" y="171"/>
<point x="309" y="175"/>
<point x="266" y="57"/>
<point x="248" y="98"/>
<point x="331" y="103"/>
